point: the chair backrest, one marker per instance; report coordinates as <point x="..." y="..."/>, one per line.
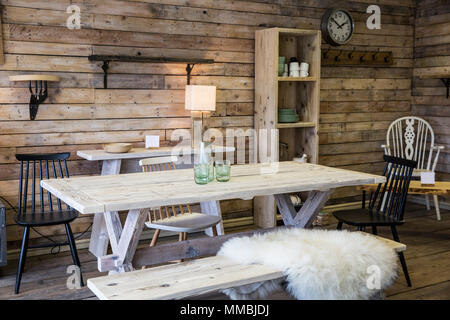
<point x="163" y="164"/>
<point x="42" y="166"/>
<point x="411" y="138"/>
<point x="390" y="197"/>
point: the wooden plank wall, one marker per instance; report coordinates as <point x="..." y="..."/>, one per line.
<point x="357" y="103"/>
<point x="432" y="54"/>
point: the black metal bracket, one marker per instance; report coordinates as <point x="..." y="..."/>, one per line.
<point x="190" y="63"/>
<point x="189" y="68"/>
<point x="38" y="95"/>
<point x="105" y="68"/>
<point x="446" y="82"/>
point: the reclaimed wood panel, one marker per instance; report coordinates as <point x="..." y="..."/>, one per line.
<point x="432" y="55"/>
<point x="147" y="98"/>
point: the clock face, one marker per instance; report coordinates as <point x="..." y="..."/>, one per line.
<point x="337" y="26"/>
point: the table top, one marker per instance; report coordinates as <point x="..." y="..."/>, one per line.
<point x="138" y="153"/>
<point x="153" y="189"/>
<point x="439" y="187"/>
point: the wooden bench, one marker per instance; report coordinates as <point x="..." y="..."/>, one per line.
<point x="190" y="278"/>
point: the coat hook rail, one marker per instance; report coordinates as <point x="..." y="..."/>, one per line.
<point x="353" y="57"/>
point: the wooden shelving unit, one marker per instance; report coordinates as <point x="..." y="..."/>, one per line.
<point x="273" y="92"/>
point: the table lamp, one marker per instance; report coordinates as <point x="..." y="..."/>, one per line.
<point x="200" y="100"/>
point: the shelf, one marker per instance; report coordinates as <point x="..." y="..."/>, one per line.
<point x="301" y="79"/>
<point x="107" y="59"/>
<point x="444" y="76"/>
<point x="148" y="59"/>
<point x="34" y="77"/>
<point x="301" y="124"/>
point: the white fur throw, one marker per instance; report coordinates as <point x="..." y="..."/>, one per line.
<point x="318" y="264"/>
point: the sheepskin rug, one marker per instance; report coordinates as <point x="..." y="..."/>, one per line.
<point x="318" y="264"/>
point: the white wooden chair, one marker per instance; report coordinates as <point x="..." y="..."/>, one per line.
<point x="176" y="218"/>
<point x="413" y="138"/>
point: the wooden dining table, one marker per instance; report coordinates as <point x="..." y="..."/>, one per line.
<point x="114" y="163"/>
<point x="137" y="192"/>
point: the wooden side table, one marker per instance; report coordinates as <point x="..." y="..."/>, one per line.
<point x="3" y="252"/>
<point x="440" y="188"/>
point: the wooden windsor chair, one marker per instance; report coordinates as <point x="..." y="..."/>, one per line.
<point x="412" y="138"/>
<point x="37" y="167"/>
<point x="175" y="218"/>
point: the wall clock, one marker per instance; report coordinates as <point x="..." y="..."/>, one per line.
<point x="337" y="26"/>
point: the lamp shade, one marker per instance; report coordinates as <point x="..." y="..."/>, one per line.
<point x="200" y="98"/>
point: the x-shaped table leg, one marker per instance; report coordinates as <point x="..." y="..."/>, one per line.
<point x="124" y="241"/>
<point x="310" y="209"/>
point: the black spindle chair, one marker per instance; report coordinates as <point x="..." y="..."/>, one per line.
<point x="387" y="203"/>
<point x="34" y="168"/>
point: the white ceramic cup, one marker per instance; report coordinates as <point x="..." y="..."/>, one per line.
<point x="294" y="73"/>
<point x="303" y="74"/>
<point x="304" y="66"/>
<point x="294" y="66"/>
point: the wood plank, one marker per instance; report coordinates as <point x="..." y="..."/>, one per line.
<point x="111" y="192"/>
<point x="167" y="282"/>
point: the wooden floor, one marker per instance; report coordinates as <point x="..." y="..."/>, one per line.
<point x="427" y="256"/>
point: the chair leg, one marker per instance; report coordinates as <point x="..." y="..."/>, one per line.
<point x="155" y="237"/>
<point x="22" y="258"/>
<point x="360" y="228"/>
<point x="73" y="250"/>
<point x="339" y="226"/>
<point x="427" y="202"/>
<point x="436" y="207"/>
<point x="374" y="230"/>
<point x="401" y="257"/>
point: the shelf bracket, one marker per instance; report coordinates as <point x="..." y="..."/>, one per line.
<point x="38" y="95"/>
<point x="446" y="82"/>
<point x="189" y="68"/>
<point x="105" y="68"/>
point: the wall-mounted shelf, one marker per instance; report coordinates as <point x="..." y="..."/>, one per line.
<point x="304" y="79"/>
<point x="107" y="59"/>
<point x="300" y="124"/>
<point x="445" y="78"/>
<point x="38" y="91"/>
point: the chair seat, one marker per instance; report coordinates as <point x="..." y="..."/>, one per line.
<point x="46" y="218"/>
<point x="185" y="222"/>
<point x="365" y="217"/>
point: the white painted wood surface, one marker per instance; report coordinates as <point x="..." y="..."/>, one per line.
<point x="137" y="153"/>
<point x="152" y="189"/>
<point x="188" y="279"/>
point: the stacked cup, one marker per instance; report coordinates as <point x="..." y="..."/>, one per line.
<point x="304" y="69"/>
<point x="294" y="68"/>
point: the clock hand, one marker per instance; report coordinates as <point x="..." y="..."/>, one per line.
<point x="343" y="24"/>
<point x="332" y="19"/>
